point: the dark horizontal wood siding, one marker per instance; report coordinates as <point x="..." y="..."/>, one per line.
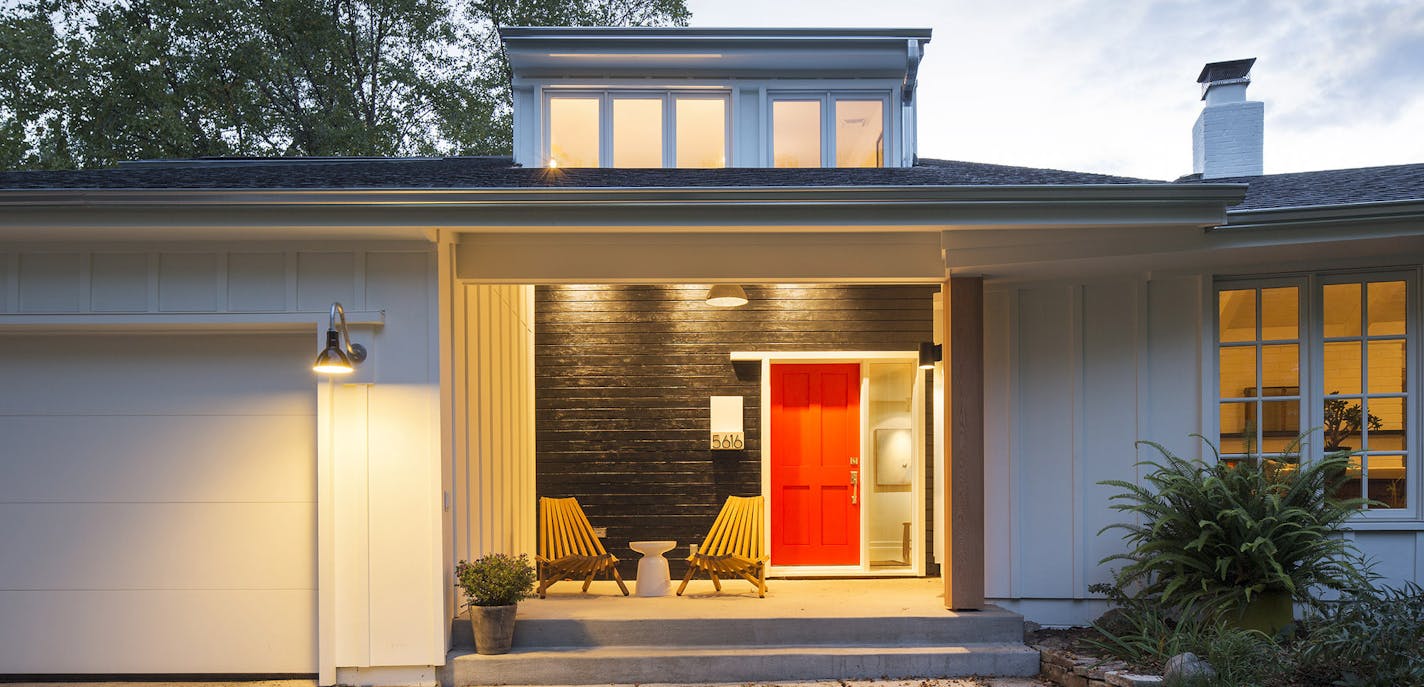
<point x="623" y="377"/>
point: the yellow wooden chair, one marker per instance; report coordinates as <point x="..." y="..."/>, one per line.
<point x="568" y="548"/>
<point x="734" y="546"/>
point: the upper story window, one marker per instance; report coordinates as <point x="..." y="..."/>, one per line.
<point x="828" y="130"/>
<point x="1328" y="352"/>
<point x="637" y="129"/>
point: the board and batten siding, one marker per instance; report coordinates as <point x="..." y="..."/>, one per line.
<point x="624" y="375"/>
<point x="384" y="473"/>
<point x="493" y="500"/>
<point x="1075" y="373"/>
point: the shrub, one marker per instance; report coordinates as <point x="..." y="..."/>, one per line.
<point x="1213" y="537"/>
<point x="1367" y="639"/>
<point x="496" y="579"/>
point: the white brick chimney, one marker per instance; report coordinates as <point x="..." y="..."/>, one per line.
<point x="1227" y="139"/>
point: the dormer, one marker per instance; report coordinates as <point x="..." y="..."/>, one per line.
<point x="700" y="97"/>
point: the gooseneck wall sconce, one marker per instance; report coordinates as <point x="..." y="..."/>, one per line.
<point x="336" y="359"/>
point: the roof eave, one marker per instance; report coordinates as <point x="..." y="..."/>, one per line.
<point x="1325" y="215"/>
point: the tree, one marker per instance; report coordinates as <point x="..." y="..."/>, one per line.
<point x="86" y="83"/>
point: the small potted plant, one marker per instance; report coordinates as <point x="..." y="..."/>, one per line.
<point x="494" y="585"/>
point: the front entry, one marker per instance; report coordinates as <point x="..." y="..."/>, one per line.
<point x="815" y="464"/>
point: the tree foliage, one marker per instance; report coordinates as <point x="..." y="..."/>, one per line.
<point x="86" y="83"/>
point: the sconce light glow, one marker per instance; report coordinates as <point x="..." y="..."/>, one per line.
<point x="334" y="360"/>
<point x="726" y="296"/>
<point x="553" y="163"/>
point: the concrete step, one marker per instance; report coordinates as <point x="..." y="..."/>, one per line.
<point x="991" y="625"/>
<point x="735" y="664"/>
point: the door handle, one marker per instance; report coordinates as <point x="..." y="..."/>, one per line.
<point x="854" y="487"/>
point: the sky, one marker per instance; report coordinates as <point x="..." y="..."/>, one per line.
<point x="1110" y="86"/>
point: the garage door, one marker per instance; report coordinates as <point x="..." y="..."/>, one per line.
<point x="157" y="504"/>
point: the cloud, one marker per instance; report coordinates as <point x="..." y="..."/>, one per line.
<point x="1110" y="86"/>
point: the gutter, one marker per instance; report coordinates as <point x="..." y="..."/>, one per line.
<point x="1134" y="194"/>
<point x="1323" y="215"/>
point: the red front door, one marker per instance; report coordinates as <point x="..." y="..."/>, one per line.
<point x="815" y="464"/>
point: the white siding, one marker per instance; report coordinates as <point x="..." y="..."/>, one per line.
<point x="1075" y="373"/>
<point x="494" y="457"/>
<point x="383" y="478"/>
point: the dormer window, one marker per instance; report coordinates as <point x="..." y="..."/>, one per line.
<point x="637" y="129"/>
<point x="719" y="97"/>
<point x="814" y="129"/>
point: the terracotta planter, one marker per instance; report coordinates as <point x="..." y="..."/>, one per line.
<point x="494" y="628"/>
<point x="1267" y="612"/>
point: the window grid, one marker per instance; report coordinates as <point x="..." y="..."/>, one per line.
<point x="1397" y="327"/>
<point x="606" y="143"/>
<point x="1255" y="432"/>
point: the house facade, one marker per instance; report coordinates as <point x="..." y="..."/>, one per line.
<point x="539" y="326"/>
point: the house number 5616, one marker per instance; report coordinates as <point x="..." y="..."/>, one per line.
<point x="728" y="441"/>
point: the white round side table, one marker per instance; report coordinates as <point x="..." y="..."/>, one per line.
<point x="653" y="577"/>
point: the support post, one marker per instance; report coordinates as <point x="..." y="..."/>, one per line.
<point x="963" y="569"/>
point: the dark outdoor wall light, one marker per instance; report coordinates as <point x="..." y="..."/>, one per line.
<point x="335" y="360"/>
<point x="930" y="353"/>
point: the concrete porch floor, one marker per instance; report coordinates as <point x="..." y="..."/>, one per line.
<point x="857" y="598"/>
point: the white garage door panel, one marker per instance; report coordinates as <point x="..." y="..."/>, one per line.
<point x="203" y="631"/>
<point x="157" y="503"/>
<point x="115" y="458"/>
<point x="170" y="374"/>
<point x="157" y="546"/>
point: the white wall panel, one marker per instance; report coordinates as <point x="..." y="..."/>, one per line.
<point x="118" y="282"/>
<point x="1044" y="439"/>
<point x="188" y="282"/>
<point x="1000" y="513"/>
<point x="494" y="471"/>
<point x="49" y="282"/>
<point x="275" y="623"/>
<point x="326" y="277"/>
<point x="256" y="282"/>
<point x="1108" y="417"/>
<point x="1395" y="555"/>
<point x="1075" y="374"/>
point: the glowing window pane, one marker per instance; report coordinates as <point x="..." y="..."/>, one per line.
<point x="1280" y="425"/>
<point x="1237" y="315"/>
<point x="1234" y="435"/>
<point x="1280" y="367"/>
<point x="1238" y="372"/>
<point x="860" y="133"/>
<point x="1387" y="367"/>
<point x="573" y="132"/>
<point x="701" y="132"/>
<point x="1386" y="308"/>
<point x="1387" y="424"/>
<point x="1388" y="481"/>
<point x="1342" y="309"/>
<point x="637" y="132"/>
<point x="796" y="133"/>
<point x="1280" y="313"/>
<point x="1342" y="367"/>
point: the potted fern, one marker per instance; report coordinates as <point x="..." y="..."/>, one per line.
<point x="1240" y="540"/>
<point x="494" y="585"/>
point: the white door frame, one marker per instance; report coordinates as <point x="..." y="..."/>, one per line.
<point x="917" y="489"/>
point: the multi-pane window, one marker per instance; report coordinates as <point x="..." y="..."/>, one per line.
<point x="637" y="129"/>
<point x="1258" y="369"/>
<point x="1328" y="354"/>
<point x="821" y="130"/>
<point x="1366" y="386"/>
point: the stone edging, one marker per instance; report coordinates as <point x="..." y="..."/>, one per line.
<point x="1066" y="669"/>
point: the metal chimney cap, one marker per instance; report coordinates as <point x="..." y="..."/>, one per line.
<point x="1223" y="71"/>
